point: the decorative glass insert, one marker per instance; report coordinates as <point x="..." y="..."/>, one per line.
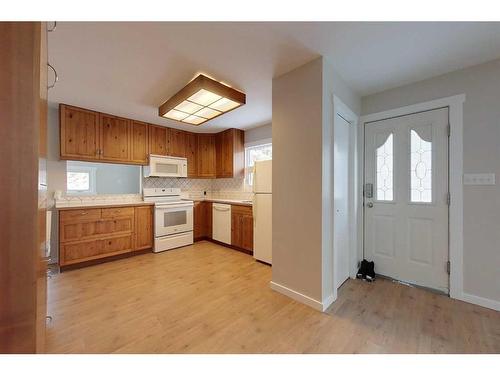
<point x="385" y="189"/>
<point x="420" y="169"/>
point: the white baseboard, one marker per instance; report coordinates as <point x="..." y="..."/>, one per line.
<point x="311" y="302"/>
<point x="481" y="301"/>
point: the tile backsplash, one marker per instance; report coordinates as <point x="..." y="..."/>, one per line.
<point x="229" y="188"/>
<point x="185" y="184"/>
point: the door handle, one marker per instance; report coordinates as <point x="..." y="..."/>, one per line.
<point x="369" y="204"/>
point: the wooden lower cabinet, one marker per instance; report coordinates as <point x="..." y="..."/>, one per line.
<point x="143" y="227"/>
<point x="242" y="227"/>
<point x="202" y="218"/>
<point x="95" y="233"/>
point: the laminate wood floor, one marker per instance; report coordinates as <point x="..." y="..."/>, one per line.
<point x="206" y="298"/>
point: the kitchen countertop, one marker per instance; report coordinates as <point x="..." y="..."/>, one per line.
<point x="104" y="205"/>
<point x="227" y="201"/>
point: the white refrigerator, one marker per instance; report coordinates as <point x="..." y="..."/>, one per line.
<point x="262" y="211"/>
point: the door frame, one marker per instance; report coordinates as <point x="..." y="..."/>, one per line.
<point x="455" y="165"/>
<point x="340" y="108"/>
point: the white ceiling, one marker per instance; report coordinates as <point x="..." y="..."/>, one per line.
<point x="129" y="69"/>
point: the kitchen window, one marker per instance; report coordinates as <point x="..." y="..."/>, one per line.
<point x="254" y="153"/>
<point x="80" y="180"/>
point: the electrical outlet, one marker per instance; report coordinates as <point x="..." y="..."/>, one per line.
<point x="479" y="179"/>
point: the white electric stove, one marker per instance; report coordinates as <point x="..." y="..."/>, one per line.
<point x="173" y="218"/>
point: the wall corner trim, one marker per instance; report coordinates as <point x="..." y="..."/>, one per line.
<point x="302" y="298"/>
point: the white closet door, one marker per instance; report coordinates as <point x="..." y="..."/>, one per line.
<point x="341" y="199"/>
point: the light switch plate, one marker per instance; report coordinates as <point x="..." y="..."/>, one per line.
<point x="479" y="179"/>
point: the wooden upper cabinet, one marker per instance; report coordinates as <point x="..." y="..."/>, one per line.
<point x="139" y="142"/>
<point x="206" y="156"/>
<point x="94" y="136"/>
<point x="157" y="140"/>
<point x="230" y="153"/>
<point x="115" y="138"/>
<point x="191" y="153"/>
<point x="176" y="143"/>
<point x="79" y="132"/>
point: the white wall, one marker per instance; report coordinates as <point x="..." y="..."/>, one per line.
<point x="481" y="84"/>
<point x="258" y="134"/>
<point x="302" y="134"/>
<point x="333" y="84"/>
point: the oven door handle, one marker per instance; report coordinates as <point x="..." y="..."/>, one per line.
<point x="166" y="208"/>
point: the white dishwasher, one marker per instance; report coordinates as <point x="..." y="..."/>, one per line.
<point x="221" y="222"/>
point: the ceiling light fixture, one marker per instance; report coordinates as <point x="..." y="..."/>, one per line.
<point x="201" y="100"/>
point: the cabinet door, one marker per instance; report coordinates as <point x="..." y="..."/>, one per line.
<point x="237" y="164"/>
<point x="117" y="245"/>
<point x="76" y="252"/>
<point x="115" y="138"/>
<point x="247" y="232"/>
<point x="219" y="140"/>
<point x="227" y="153"/>
<point x="206" y="155"/>
<point x="176" y="143"/>
<point x="191" y="152"/>
<point x="207" y="228"/>
<point x="79" y="133"/>
<point x="139" y="143"/>
<point x="157" y="140"/>
<point x="143" y="227"/>
<point x="230" y="153"/>
<point x="199" y="218"/>
<point x="236" y="238"/>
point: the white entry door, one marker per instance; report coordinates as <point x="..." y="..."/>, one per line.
<point x="341" y="199"/>
<point x="406" y="198"/>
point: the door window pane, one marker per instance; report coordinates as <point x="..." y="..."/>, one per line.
<point x="420" y="169"/>
<point x="385" y="170"/>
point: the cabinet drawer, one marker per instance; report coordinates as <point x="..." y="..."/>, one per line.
<point x="117" y="245"/>
<point x="243" y="210"/>
<point x="81" y="251"/>
<point x="81" y="215"/>
<point x="94" y="249"/>
<point x="115" y="225"/>
<point x="78" y="231"/>
<point x="117" y="212"/>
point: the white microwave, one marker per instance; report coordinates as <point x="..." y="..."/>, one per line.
<point x="165" y="166"/>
